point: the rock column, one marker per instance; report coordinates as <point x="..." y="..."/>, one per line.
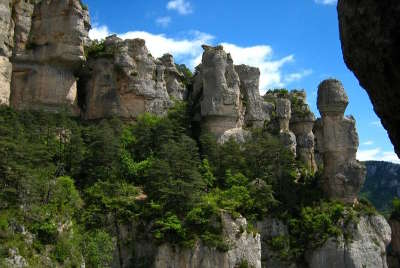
<point x="338" y="142"/>
<point x="283" y="112"/>
<point x="220" y="106"/>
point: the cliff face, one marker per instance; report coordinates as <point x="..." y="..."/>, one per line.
<point x="370" y="39"/>
<point x="244" y="247"/>
<point x="129" y="81"/>
<point x="366" y="248"/>
<point x="43" y="66"/>
<point x="48" y="49"/>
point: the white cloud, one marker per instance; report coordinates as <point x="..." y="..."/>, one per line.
<point x="297" y="76"/>
<point x="326" y="2"/>
<point x="378" y="155"/>
<point x="270" y="69"/>
<point x="368" y="143"/>
<point x="163" y="21"/>
<point x="188" y="50"/>
<point x="99" y="32"/>
<point x="181" y="6"/>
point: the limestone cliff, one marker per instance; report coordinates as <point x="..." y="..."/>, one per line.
<point x="48" y="50"/>
<point x="366" y="247"/>
<point x="127" y="81"/>
<point x="244" y="247"/>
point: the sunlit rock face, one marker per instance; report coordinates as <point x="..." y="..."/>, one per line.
<point x="370" y="38"/>
<point x="366" y="248"/>
<point x="255" y="112"/>
<point x="217" y="92"/>
<point x="128" y="81"/>
<point x="337" y="142"/>
<point x="48" y="50"/>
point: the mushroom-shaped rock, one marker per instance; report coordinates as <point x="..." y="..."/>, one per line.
<point x="337" y="142"/>
<point x="332" y="98"/>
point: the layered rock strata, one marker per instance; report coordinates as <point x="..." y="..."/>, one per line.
<point x="337" y="142"/>
<point x="44" y="40"/>
<point x="370" y="37"/>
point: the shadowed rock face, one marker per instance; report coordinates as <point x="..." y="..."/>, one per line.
<point x="337" y="142"/>
<point x="370" y="36"/>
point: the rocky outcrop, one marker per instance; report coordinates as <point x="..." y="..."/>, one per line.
<point x="271" y="228"/>
<point x="370" y="39"/>
<point x="173" y="78"/>
<point x="284" y="113"/>
<point x="48" y="50"/>
<point x="244" y="247"/>
<point x="302" y="123"/>
<point x="337" y="142"/>
<point x="15" y="260"/>
<point x="366" y="246"/>
<point x="217" y="92"/>
<point x="256" y="112"/>
<point x="127" y="81"/>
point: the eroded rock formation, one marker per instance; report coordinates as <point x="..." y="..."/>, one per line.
<point x="245" y="247"/>
<point x="366" y="248"/>
<point x="337" y="142"/>
<point x="370" y="36"/>
<point x="127" y="81"/>
<point x="257" y="112"/>
<point x="48" y="50"/>
<point x="302" y="123"/>
<point x="217" y="90"/>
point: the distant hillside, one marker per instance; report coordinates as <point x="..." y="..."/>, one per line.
<point x="382" y="183"/>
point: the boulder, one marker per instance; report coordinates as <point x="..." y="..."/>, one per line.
<point x="370" y="37"/>
<point x="237" y="134"/>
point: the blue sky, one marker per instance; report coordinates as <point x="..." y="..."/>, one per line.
<point x="295" y="43"/>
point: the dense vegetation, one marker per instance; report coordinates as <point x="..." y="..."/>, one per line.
<point x="380" y="185"/>
<point x="67" y="187"/>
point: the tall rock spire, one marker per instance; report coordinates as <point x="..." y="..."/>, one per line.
<point x="337" y="142"/>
